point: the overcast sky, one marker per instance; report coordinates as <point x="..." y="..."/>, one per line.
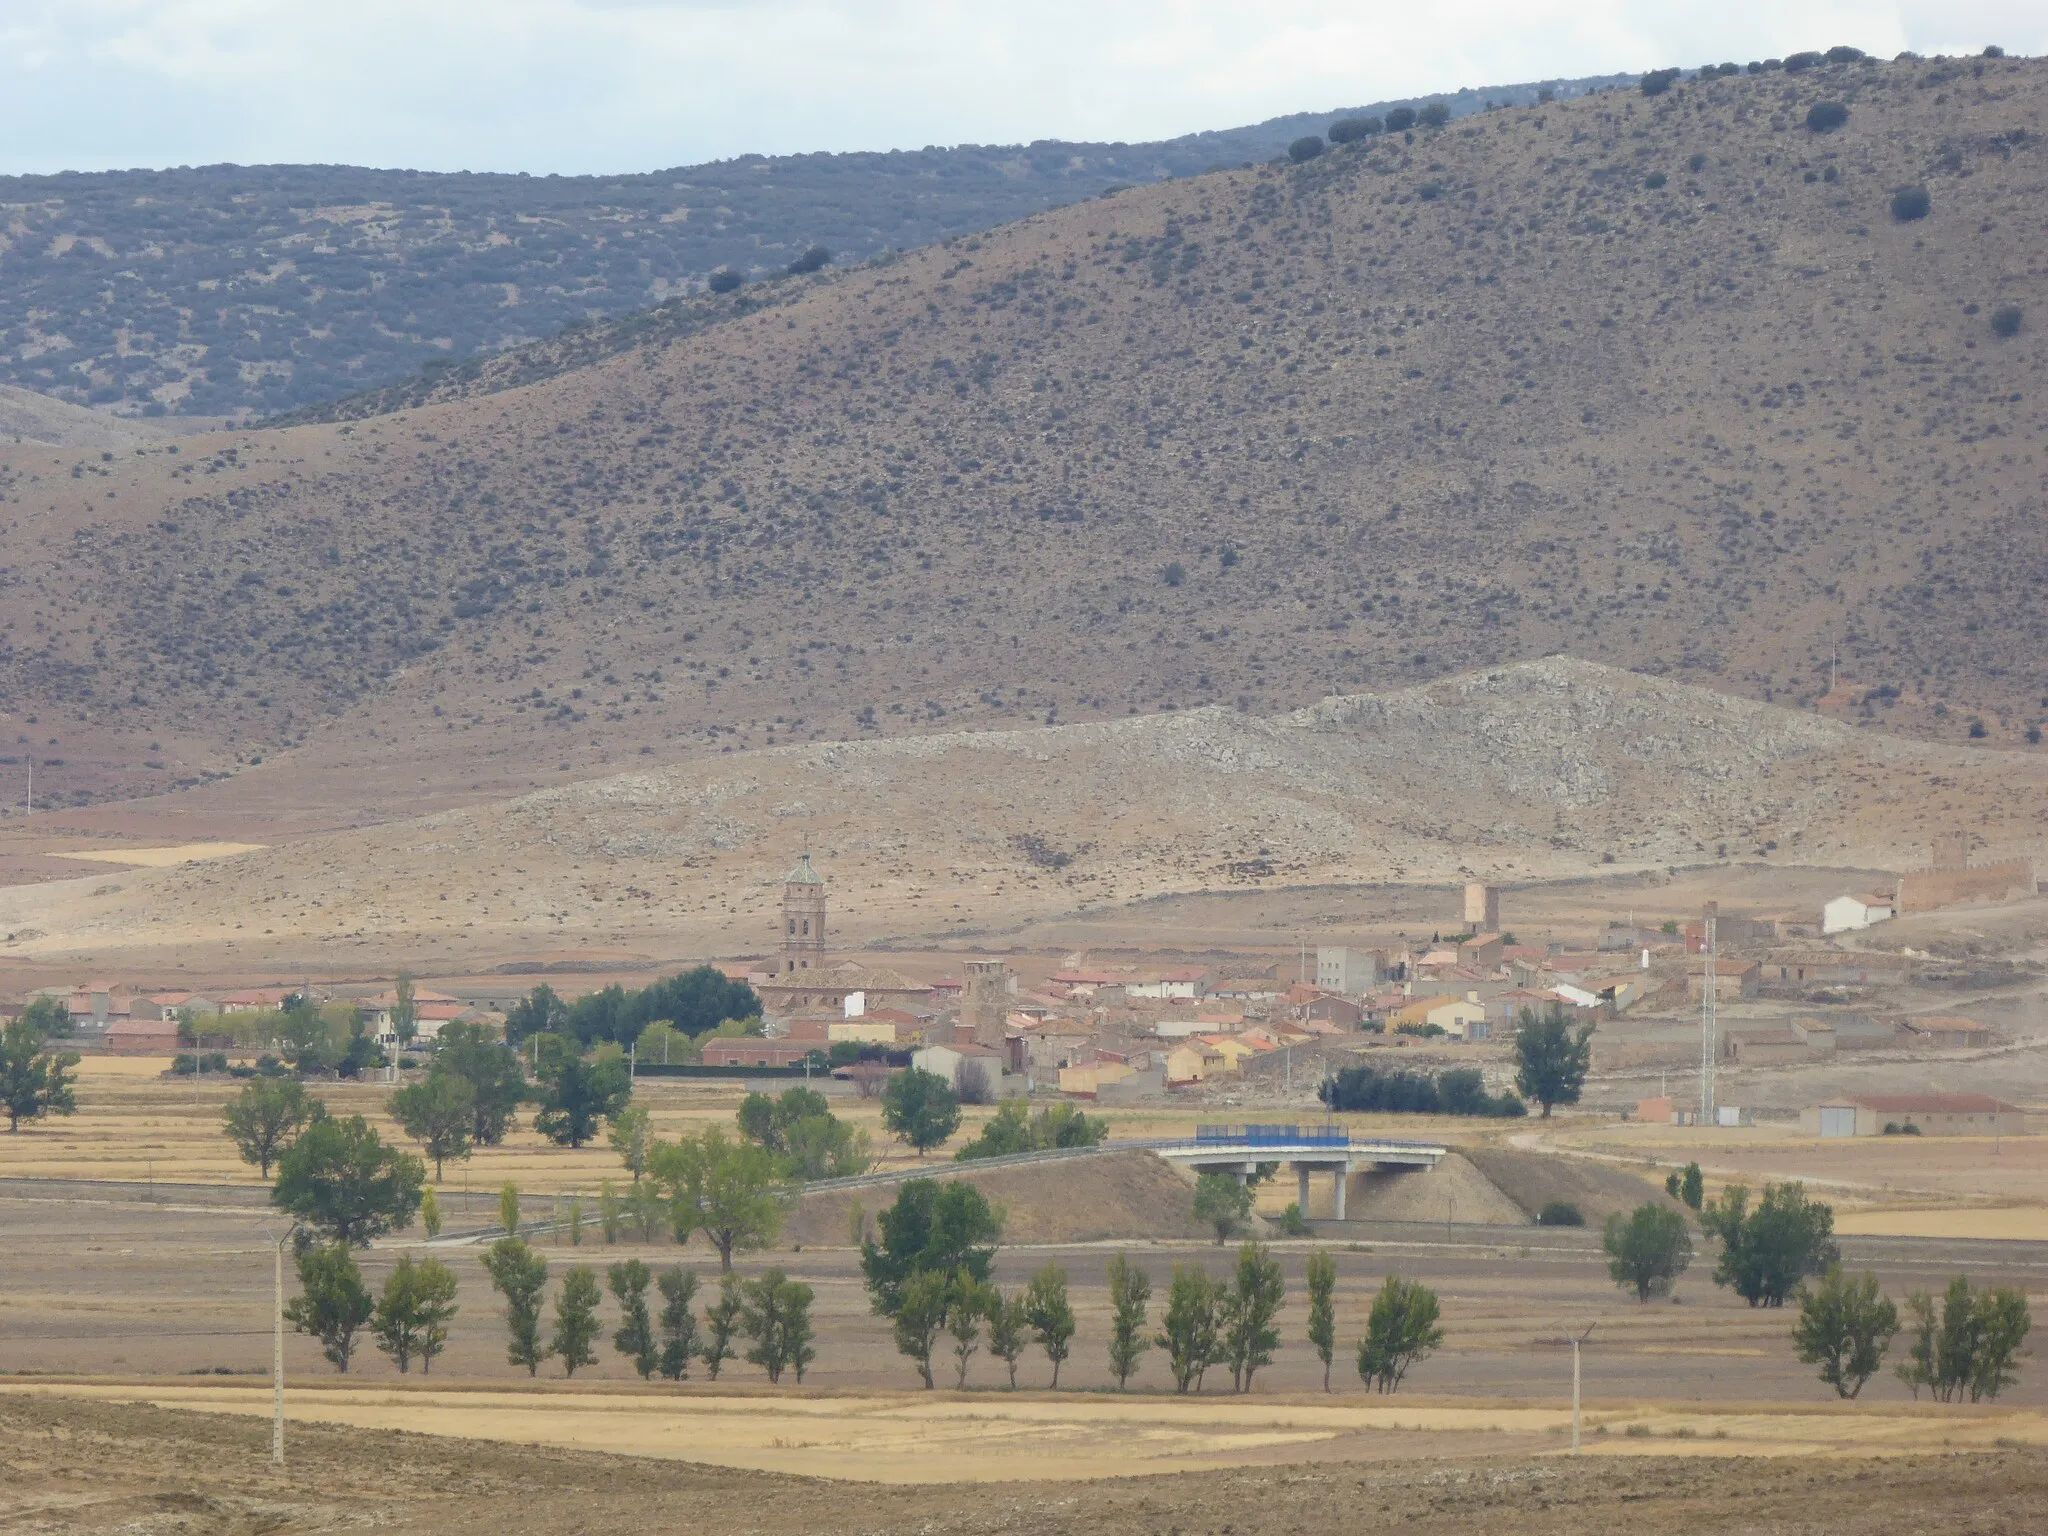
<point x="613" y="85"/>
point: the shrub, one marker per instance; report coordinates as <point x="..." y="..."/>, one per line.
<point x="1305" y="148"/>
<point x="1350" y="130"/>
<point x="1910" y="203"/>
<point x="813" y="260"/>
<point x="1993" y="51"/>
<point x="1799" y="63"/>
<point x="1658" y="81"/>
<point x="2005" y="320"/>
<point x="1174" y="574"/>
<point x="1826" y="116"/>
<point x="1400" y="120"/>
<point x="1696" y="161"/>
<point x="1434" y="115"/>
<point x="1430" y="191"/>
<point x="1655" y="180"/>
<point x="1560" y="1213"/>
<point x="724" y="280"/>
<point x="1842" y="53"/>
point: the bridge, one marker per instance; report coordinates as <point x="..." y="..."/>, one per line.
<point x="1239" y="1149"/>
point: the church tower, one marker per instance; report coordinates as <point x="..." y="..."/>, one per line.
<point x="803" y="919"/>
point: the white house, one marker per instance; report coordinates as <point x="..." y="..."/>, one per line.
<point x="1169" y="986"/>
<point x="949" y="1061"/>
<point x="1846" y="913"/>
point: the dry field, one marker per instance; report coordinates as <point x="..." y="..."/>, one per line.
<point x="75" y="1467"/>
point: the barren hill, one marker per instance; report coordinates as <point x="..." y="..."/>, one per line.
<point x="1659" y="382"/>
<point x="1542" y="769"/>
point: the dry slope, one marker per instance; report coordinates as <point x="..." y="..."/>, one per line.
<point x="1525" y="771"/>
<point x="1426" y="404"/>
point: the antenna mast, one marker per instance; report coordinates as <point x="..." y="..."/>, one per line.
<point x="1710" y="1033"/>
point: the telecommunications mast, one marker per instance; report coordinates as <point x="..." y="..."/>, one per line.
<point x="1710" y="1034"/>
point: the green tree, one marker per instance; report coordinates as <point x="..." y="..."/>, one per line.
<point x="575" y="1094"/>
<point x="1973" y="1349"/>
<point x="722" y="1321"/>
<point x="1307" y="147"/>
<point x="920" y="1108"/>
<point x="775" y="1313"/>
<point x="469" y="1052"/>
<point x="1249" y="1334"/>
<point x="508" y="1208"/>
<point x="267" y="1116"/>
<point x="678" y="1321"/>
<point x="1402" y="1331"/>
<point x="405" y="1013"/>
<point x="437" y="1112"/>
<point x="971" y="1303"/>
<point x="634" y="1337"/>
<point x="540" y="1012"/>
<point x="1223" y="1203"/>
<point x="629" y="1137"/>
<point x="339" y="1179"/>
<point x="1688" y="1186"/>
<point x="576" y="1325"/>
<point x="1322" y="1309"/>
<point x="1765" y="1253"/>
<point x="922" y="1306"/>
<point x="1844" y="1328"/>
<point x="932" y="1228"/>
<point x="1009" y="1333"/>
<point x="521" y="1276"/>
<point x="611" y="1213"/>
<point x="1013" y="1129"/>
<point x="1647" y="1250"/>
<point x="1551" y="1061"/>
<point x="34" y="1080"/>
<point x="800" y="1129"/>
<point x="430" y="1212"/>
<point x="1130" y="1292"/>
<point x="1191" y="1329"/>
<point x="413" y="1314"/>
<point x="361" y="1053"/>
<point x="729" y="1190"/>
<point x="306" y="1037"/>
<point x="1050" y="1317"/>
<point x="1434" y="115"/>
<point x="333" y="1303"/>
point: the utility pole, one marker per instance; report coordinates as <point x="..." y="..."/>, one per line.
<point x="1575" y="1343"/>
<point x="1710" y="1030"/>
<point x="277" y="1359"/>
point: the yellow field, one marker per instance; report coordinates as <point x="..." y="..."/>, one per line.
<point x="159" y="858"/>
<point x="2025" y="1223"/>
<point x="943" y="1437"/>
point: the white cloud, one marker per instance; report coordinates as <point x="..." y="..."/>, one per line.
<point x="584" y="85"/>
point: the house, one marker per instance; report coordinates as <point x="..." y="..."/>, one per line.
<point x="1481" y="952"/>
<point x="951" y="1061"/>
<point x="1249" y="989"/>
<point x="1181" y="986"/>
<point x="1845" y="914"/>
<point x="170" y="1006"/>
<point x="829" y="989"/>
<point x="1929" y="1114"/>
<point x="1346" y="971"/>
<point x="1733" y="978"/>
<point x="1330" y="1009"/>
<point x="146" y="1036"/>
<point x="254" y="1000"/>
<point x="1087" y="1082"/>
<point x="1836" y="967"/>
<point x="861" y="1031"/>
<point x="1946" y="1030"/>
<point x="1235" y="1048"/>
<point x="753" y="1051"/>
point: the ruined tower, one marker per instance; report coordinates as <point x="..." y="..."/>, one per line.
<point x="803" y="919"/>
<point x="1482" y="908"/>
<point x="986" y="1007"/>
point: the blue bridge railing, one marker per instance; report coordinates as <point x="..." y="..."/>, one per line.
<point x="1275" y="1135"/>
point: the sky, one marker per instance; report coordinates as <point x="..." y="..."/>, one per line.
<point x="577" y="86"/>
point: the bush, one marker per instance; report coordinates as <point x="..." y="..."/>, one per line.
<point x="1430" y="191"/>
<point x="1910" y="203"/>
<point x="1435" y="115"/>
<point x="1458" y="1092"/>
<point x="1351" y="129"/>
<point x="1655" y="180"/>
<point x="1696" y="161"/>
<point x="724" y="280"/>
<point x="1799" y="63"/>
<point x="1826" y="116"/>
<point x="1658" y="81"/>
<point x="816" y="259"/>
<point x="1174" y="574"/>
<point x="2005" y="320"/>
<point x="1400" y="120"/>
<point x="1560" y="1213"/>
<point x="1307" y="147"/>
<point x="1842" y="53"/>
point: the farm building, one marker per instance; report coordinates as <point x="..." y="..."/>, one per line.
<point x="1929" y="1114"/>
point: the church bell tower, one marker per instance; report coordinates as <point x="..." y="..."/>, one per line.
<point x="803" y="919"/>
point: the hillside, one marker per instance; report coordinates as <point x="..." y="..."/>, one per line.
<point x="1409" y="409"/>
<point x="222" y="290"/>
<point x="1542" y="770"/>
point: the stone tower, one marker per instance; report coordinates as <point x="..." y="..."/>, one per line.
<point x="1482" y="908"/>
<point x="986" y="1007"/>
<point x="803" y="919"/>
